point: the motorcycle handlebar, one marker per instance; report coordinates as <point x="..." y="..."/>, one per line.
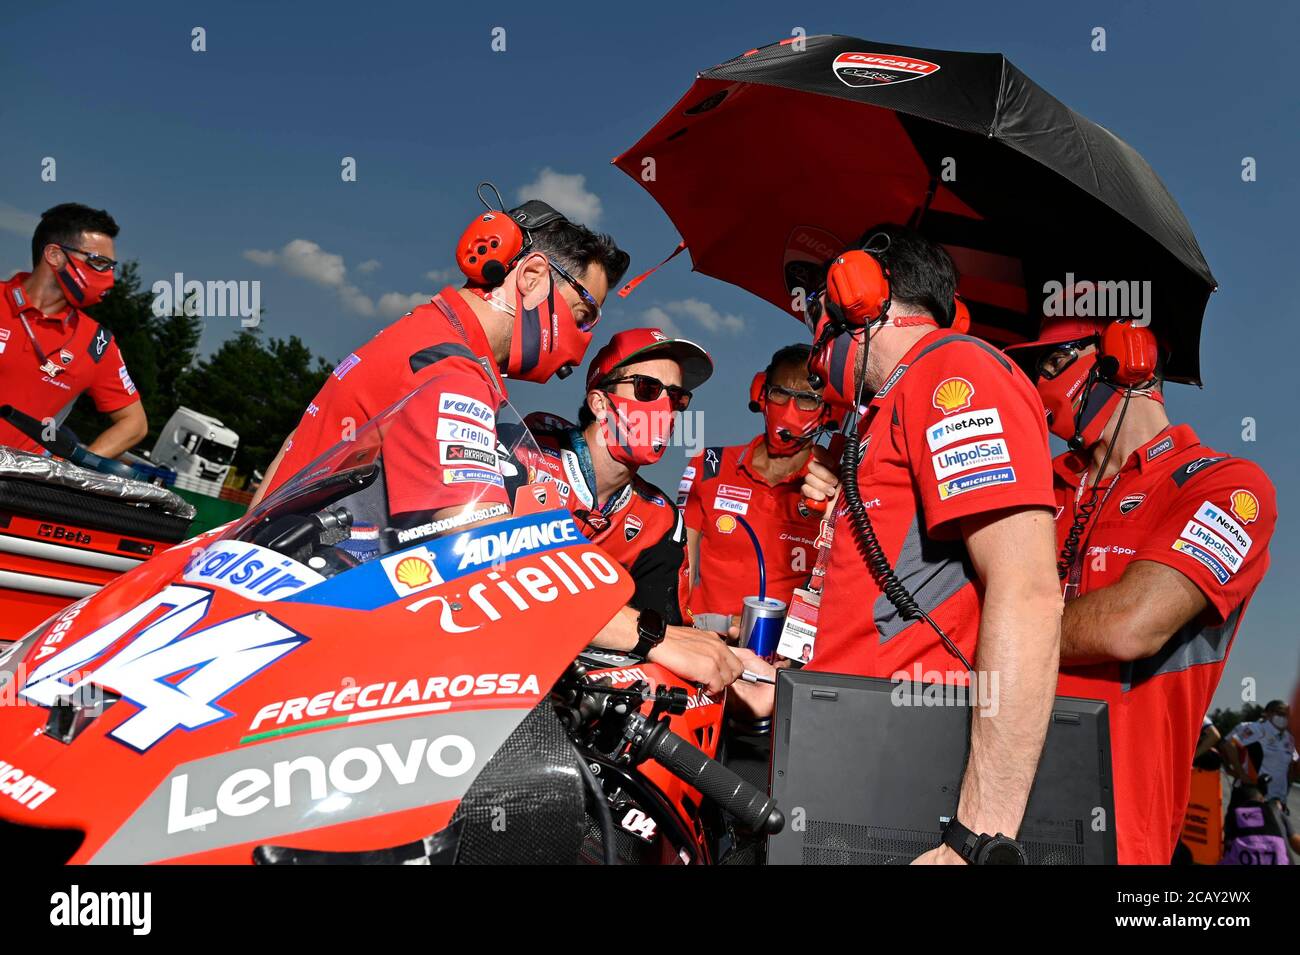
<point x="753" y="808"/>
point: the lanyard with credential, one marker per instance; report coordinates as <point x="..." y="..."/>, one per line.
<point x="583" y="453"/>
<point x="48" y="365"/>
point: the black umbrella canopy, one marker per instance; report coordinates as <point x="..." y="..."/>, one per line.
<point x="784" y="147"/>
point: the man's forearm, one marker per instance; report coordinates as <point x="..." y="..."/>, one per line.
<point x="1019" y="648"/>
<point x="116" y="438"/>
<point x="620" y="633"/>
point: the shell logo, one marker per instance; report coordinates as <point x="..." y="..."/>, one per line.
<point x="726" y="523"/>
<point x="953" y="395"/>
<point x="413" y="572"/>
<point x="1245" y="505"/>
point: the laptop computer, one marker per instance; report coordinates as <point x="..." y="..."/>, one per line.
<point x="868" y="772"/>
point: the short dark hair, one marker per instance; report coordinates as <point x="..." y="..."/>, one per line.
<point x="921" y="273"/>
<point x="1274" y="705"/>
<point x="796" y="354"/>
<point x="64" y="224"/>
<point x="576" y="248"/>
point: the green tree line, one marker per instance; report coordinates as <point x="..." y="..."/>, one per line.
<point x="257" y="386"/>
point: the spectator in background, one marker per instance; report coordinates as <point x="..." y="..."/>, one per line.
<point x="1268" y="749"/>
<point x="50" y="349"/>
<point x="1255" y="832"/>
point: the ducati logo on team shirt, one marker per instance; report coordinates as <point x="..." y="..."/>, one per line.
<point x="65" y="356"/>
<point x="540" y="494"/>
<point x="631" y="527"/>
<point x="880" y="69"/>
<point x="1130" y="503"/>
<point x="953" y="395"/>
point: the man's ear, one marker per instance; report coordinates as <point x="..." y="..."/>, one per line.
<point x="533" y="277"/>
<point x="597" y="403"/>
<point x="54" y="256"/>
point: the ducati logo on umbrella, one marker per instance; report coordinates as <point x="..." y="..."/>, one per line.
<point x="880" y="69"/>
<point x="631" y="527"/>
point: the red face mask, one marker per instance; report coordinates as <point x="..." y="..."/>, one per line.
<point x="546" y="340"/>
<point x="637" y="432"/>
<point x="82" y="285"/>
<point x="1067" y="393"/>
<point x="788" y="429"/>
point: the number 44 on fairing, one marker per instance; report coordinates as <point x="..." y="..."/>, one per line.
<point x="221" y="657"/>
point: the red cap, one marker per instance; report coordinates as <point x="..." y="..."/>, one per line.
<point x="1057" y="329"/>
<point x="643" y="344"/>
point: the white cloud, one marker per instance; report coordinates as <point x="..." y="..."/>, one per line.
<point x="567" y="193"/>
<point x="673" y="316"/>
<point x="368" y="266"/>
<point x="395" y="304"/>
<point x="444" y="276"/>
<point x="16" y="221"/>
<point x="307" y="260"/>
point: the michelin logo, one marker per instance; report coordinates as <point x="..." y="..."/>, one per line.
<point x="972" y="424"/>
<point x="249" y="570"/>
<point x="1205" y="557"/>
<point x="973" y="482"/>
<point x="966" y="456"/>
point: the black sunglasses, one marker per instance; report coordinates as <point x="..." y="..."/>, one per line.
<point x="100" y="263"/>
<point x="646" y="388"/>
<point x="1053" y="363"/>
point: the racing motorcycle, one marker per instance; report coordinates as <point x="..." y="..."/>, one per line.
<point x="311" y="685"/>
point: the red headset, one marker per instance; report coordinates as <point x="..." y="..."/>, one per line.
<point x="1128" y="353"/>
<point x="488" y="247"/>
<point x="757" y="387"/>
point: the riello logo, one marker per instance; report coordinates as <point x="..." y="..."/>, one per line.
<point x="880" y="69"/>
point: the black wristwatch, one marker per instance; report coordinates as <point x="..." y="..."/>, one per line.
<point x="982" y="849"/>
<point x="650" y="630"/>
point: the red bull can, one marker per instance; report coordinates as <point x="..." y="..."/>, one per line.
<point x="760" y="625"/>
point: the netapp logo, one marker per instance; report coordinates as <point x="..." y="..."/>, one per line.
<point x="968" y="425"/>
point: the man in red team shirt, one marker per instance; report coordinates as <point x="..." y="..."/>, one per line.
<point x="759" y="481"/>
<point x="50" y="349"/>
<point x="635" y="386"/>
<point x="533" y="322"/>
<point x="1163" y="541"/>
<point x="955" y="479"/>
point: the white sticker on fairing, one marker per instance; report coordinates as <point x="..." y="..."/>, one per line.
<point x="972" y="455"/>
<point x="1218" y="518"/>
<point x="972" y="424"/>
<point x="726" y="504"/>
<point x="449" y="429"/>
<point x="254" y="572"/>
<point x="466" y="407"/>
<point x="1220" y="548"/>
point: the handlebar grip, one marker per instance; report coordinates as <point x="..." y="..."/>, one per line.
<point x="754" y="809"/>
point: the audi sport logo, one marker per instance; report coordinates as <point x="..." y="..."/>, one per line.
<point x="880" y="69"/>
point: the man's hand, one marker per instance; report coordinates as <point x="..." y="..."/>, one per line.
<point x="823" y="478"/>
<point x="698" y="656"/>
<point x="940" y="856"/>
<point x="757" y="699"/>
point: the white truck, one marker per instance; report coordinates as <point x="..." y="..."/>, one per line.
<point x="199" y="448"/>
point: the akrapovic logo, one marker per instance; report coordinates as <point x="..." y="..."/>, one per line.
<point x="880" y="69"/>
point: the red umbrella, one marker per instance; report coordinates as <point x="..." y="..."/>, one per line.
<point x="780" y="158"/>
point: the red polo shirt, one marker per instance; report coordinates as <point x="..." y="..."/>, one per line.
<point x="719" y="484"/>
<point x="956" y="430"/>
<point x="1210" y="517"/>
<point x="83" y="350"/>
<point x="443" y="340"/>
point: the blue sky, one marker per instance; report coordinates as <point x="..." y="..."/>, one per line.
<point x="205" y="158"/>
